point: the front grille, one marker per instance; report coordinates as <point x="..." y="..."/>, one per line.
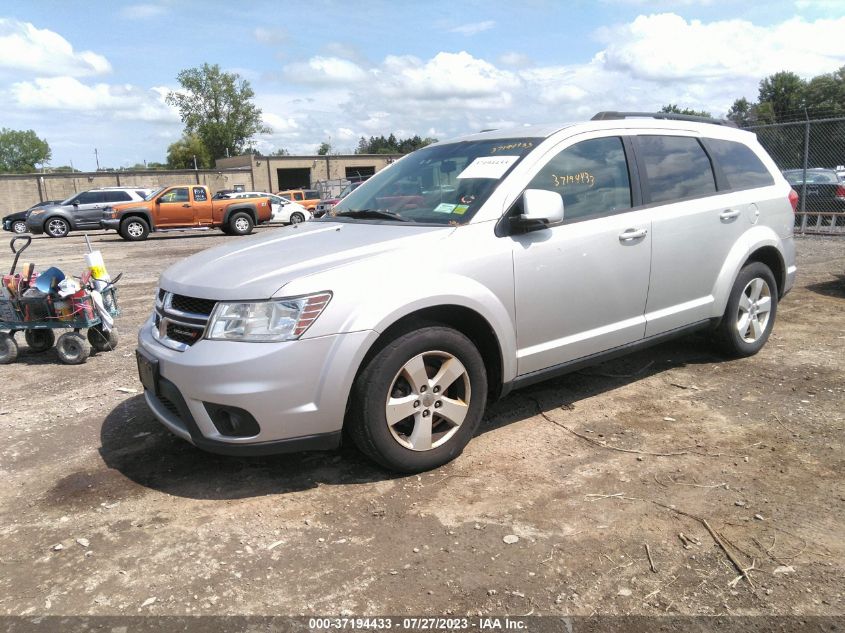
<point x="192" y="305"/>
<point x="170" y="406"/>
<point x="180" y="321"/>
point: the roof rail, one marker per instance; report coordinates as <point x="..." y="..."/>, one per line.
<point x="610" y="115"/>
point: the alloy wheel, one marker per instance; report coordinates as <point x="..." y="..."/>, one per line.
<point x="755" y="305"/>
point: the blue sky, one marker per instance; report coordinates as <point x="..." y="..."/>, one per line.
<point x="94" y="74"/>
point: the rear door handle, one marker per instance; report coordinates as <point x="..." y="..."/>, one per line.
<point x="632" y="234"/>
<point x="186" y="205"/>
<point x="729" y="214"/>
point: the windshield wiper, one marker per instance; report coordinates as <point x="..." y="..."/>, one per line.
<point x="376" y="214"/>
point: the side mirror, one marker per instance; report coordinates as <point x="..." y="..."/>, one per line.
<point x="158" y="200"/>
<point x="540" y="209"/>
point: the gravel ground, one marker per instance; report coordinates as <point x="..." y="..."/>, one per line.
<point x="548" y="511"/>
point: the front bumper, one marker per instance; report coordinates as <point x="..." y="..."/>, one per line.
<point x="113" y="224"/>
<point x="296" y="391"/>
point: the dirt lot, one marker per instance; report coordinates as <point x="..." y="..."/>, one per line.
<point x="150" y="525"/>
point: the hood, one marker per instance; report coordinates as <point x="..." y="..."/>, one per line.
<point x="256" y="268"/>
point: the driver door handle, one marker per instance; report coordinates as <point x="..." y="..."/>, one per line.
<point x="186" y="205"/>
<point x="729" y="214"/>
<point x="632" y="234"/>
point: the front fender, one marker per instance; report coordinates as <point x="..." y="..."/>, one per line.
<point x="755" y="238"/>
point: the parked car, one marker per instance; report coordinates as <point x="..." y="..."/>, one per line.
<point x="284" y="210"/>
<point x="81" y="211"/>
<point x="183" y="208"/>
<point x="324" y="206"/>
<point x="560" y="247"/>
<point x="825" y="191"/>
<point x="16" y="222"/>
<point x="308" y="198"/>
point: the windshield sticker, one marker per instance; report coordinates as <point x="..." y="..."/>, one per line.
<point x="443" y="208"/>
<point x="488" y="167"/>
<point x="460" y="209"/>
<point x="512" y="146"/>
<point x="584" y="178"/>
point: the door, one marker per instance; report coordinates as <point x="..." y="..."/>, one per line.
<point x="581" y="287"/>
<point x="693" y="229"/>
<point x="203" y="207"/>
<point x="91" y="217"/>
<point x="175" y="208"/>
<point x="88" y="209"/>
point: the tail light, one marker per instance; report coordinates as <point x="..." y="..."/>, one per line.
<point x="840" y="192"/>
<point x="793" y="200"/>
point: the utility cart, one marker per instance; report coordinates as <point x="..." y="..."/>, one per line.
<point x="33" y="304"/>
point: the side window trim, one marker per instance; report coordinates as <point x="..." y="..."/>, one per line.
<point x="721" y="180"/>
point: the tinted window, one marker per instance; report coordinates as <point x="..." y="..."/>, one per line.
<point x="592" y="177"/>
<point x="677" y="167"/>
<point x="200" y="195"/>
<point x="176" y="195"/>
<point x="88" y="197"/>
<point x="116" y="196"/>
<point x="740" y="164"/>
<point x="141" y="193"/>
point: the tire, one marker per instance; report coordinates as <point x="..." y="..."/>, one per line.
<point x="8" y="349"/>
<point x="296" y="217"/>
<point x="240" y="224"/>
<point x="225" y="229"/>
<point x="56" y="227"/>
<point x="39" y="340"/>
<point x="750" y="313"/>
<point x="134" y="229"/>
<point x="101" y="340"/>
<point x="72" y="349"/>
<point x="19" y="227"/>
<point x="402" y="444"/>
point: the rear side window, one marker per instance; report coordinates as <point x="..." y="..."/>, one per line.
<point x="592" y="177"/>
<point x="199" y="194"/>
<point x="740" y="164"/>
<point x="676" y="167"/>
<point x="116" y="196"/>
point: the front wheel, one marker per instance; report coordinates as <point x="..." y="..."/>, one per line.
<point x="419" y="400"/>
<point x="240" y="224"/>
<point x="19" y="227"/>
<point x="56" y="227"/>
<point x="134" y="229"/>
<point x="39" y="340"/>
<point x="101" y="340"/>
<point x="750" y="313"/>
<point x="72" y="349"/>
<point x="296" y="218"/>
<point x="8" y="349"/>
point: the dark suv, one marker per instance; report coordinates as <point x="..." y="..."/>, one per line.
<point x="80" y="211"/>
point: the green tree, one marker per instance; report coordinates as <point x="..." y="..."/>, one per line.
<point x="280" y="152"/>
<point x="21" y="151"/>
<point x="674" y="109"/>
<point x="392" y="145"/>
<point x="180" y="155"/>
<point x="742" y="112"/>
<point x="324" y="148"/>
<point x="784" y="92"/>
<point x="825" y="94"/>
<point x="217" y="107"/>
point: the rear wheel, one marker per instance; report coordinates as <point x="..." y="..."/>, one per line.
<point x="101" y="340"/>
<point x="39" y="340"/>
<point x="750" y="313"/>
<point x="419" y="400"/>
<point x="240" y="224"/>
<point x="134" y="229"/>
<point x="56" y="227"/>
<point x="19" y="226"/>
<point x="8" y="349"/>
<point x="72" y="349"/>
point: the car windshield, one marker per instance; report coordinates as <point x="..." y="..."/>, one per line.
<point x="439" y="184"/>
<point x="154" y="193"/>
<point x="348" y="189"/>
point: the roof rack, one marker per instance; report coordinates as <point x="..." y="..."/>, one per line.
<point x="610" y="115"/>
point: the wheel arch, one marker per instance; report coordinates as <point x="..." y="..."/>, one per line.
<point x="245" y="207"/>
<point x="144" y="215"/>
<point x="61" y="216"/>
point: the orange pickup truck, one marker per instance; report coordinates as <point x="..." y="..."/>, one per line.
<point x="185" y="207"/>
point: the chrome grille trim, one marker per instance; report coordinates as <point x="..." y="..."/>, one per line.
<point x="166" y="315"/>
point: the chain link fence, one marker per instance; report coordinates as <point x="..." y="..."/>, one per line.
<point x="811" y="155"/>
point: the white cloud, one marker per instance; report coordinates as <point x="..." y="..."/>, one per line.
<point x="325" y="70"/>
<point x="143" y="11"/>
<point x="122" y="101"/>
<point x="514" y="59"/>
<point x="473" y="29"/>
<point x="270" y="36"/>
<point x="23" y="47"/>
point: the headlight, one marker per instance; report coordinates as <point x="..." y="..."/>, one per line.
<point x="266" y="321"/>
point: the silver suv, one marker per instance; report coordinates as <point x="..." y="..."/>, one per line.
<point x="463" y="271"/>
<point x="81" y="211"/>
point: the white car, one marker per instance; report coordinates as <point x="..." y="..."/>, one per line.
<point x="284" y="210"/>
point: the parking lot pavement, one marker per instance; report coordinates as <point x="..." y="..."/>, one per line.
<point x="584" y="471"/>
